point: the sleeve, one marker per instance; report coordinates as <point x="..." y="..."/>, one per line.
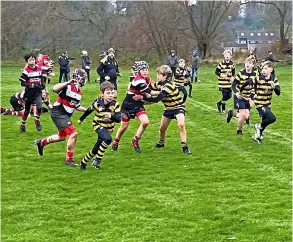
<point x="218" y="70"/>
<point x="71" y="58"/>
<point x="117" y="113"/>
<point x="177" y="73"/>
<point x="235" y="83"/>
<point x="117" y="67"/>
<point x="23" y="78"/>
<point x="155" y="87"/>
<point x="233" y="70"/>
<point x="87" y="112"/>
<point x="157" y="98"/>
<point x="187" y="73"/>
<point x="277" y="87"/>
<point x="168" y="61"/>
<point x="100" y="69"/>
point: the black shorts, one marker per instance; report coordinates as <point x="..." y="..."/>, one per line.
<point x="60" y="120"/>
<point x="241" y="103"/>
<point x="171" y="114"/>
<point x="226" y="93"/>
<point x="131" y="110"/>
<point x="262" y="110"/>
<point x="14" y="103"/>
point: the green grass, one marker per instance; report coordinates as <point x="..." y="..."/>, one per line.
<point x="229" y="188"/>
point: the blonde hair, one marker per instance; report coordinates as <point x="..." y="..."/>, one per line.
<point x="164" y="70"/>
<point x="250" y="59"/>
<point x="227" y="52"/>
<point x="268" y="64"/>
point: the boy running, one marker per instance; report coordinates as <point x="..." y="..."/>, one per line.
<point x="107" y="114"/>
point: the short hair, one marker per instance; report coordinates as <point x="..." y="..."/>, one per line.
<point x="106" y="86"/>
<point x="227" y="52"/>
<point x="268" y="64"/>
<point x="250" y="59"/>
<point x="165" y="70"/>
<point x="27" y="56"/>
<point x="181" y="60"/>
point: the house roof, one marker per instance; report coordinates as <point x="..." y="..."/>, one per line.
<point x="257" y="35"/>
<point x="234" y="45"/>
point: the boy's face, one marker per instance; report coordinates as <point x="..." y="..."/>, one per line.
<point x="181" y="64"/>
<point x="46" y="61"/>
<point x="249" y="65"/>
<point x="111" y="55"/>
<point x="227" y="56"/>
<point x="160" y="77"/>
<point x="266" y="70"/>
<point x="144" y="72"/>
<point x="31" y="61"/>
<point x="108" y="95"/>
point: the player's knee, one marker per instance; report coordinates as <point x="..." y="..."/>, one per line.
<point x="145" y="123"/>
<point x="162" y="128"/>
<point x="108" y="140"/>
<point x="73" y="136"/>
<point x="181" y="126"/>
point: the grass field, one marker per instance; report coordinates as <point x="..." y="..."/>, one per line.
<point x="230" y="188"/>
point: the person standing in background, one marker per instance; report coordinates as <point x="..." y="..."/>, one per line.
<point x="195" y="61"/>
<point x="172" y="62"/>
<point x="85" y="64"/>
<point x="63" y="61"/>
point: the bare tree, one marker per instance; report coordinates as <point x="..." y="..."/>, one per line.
<point x="206" y="19"/>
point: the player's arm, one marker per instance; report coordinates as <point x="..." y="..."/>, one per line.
<point x="23" y="78"/>
<point x="86" y="113"/>
<point x="58" y="87"/>
<point x="177" y="73"/>
<point x="277" y="88"/>
<point x="218" y="70"/>
<point x="116" y="117"/>
<point x="235" y="84"/>
<point x="100" y="69"/>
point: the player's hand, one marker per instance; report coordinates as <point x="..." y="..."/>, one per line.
<point x="70" y="82"/>
<point x="107" y="78"/>
<point x="79" y="122"/>
<point x="232" y="78"/>
<point x="224" y="76"/>
<point x="137" y="97"/>
<point x="119" y="74"/>
<point x="238" y="95"/>
<point x="107" y="115"/>
<point x="273" y="85"/>
<point x="251" y="103"/>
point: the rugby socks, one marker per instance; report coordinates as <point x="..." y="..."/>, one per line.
<point x="37" y="119"/>
<point x="136" y="138"/>
<point x="88" y="157"/>
<point x="161" y="142"/>
<point x="44" y="142"/>
<point x="223" y="106"/>
<point x="101" y="151"/>
<point x="24" y="118"/>
<point x="69" y="156"/>
<point x="183" y="144"/>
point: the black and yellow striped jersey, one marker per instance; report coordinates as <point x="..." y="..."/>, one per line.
<point x="264" y="91"/>
<point x="244" y="83"/>
<point x="100" y="121"/>
<point x="169" y="96"/>
<point x="225" y="68"/>
<point x="180" y="75"/>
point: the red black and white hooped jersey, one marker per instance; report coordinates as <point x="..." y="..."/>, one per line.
<point x="138" y="86"/>
<point x="68" y="100"/>
<point x="45" y="69"/>
<point x="32" y="77"/>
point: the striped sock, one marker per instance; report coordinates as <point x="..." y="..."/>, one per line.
<point x="88" y="157"/>
<point x="101" y="150"/>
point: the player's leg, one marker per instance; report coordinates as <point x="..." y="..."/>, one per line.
<point x="144" y="122"/>
<point x="72" y="138"/>
<point x="26" y="112"/>
<point x="121" y="130"/>
<point x="165" y="121"/>
<point x="180" y="117"/>
<point x="38" y="111"/>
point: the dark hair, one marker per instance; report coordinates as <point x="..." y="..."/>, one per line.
<point x="27" y="56"/>
<point x="106" y="86"/>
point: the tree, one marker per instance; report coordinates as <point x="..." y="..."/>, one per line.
<point x="206" y="19"/>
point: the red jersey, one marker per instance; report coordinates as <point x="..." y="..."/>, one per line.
<point x="32" y="77"/>
<point x="68" y="100"/>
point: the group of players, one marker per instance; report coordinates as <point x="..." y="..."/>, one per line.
<point x="250" y="86"/>
<point x="253" y="85"/>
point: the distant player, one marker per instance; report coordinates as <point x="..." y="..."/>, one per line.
<point x="181" y="79"/>
<point x="174" y="106"/>
<point x="265" y="86"/>
<point x="225" y="72"/>
<point x="17" y="103"/>
<point x="244" y="93"/>
<point x="31" y="78"/>
<point x="107" y="114"/>
<point x="68" y="101"/>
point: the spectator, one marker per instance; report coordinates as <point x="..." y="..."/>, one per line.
<point x="195" y="61"/>
<point x="63" y="61"/>
<point x="85" y="64"/>
<point x="172" y="62"/>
